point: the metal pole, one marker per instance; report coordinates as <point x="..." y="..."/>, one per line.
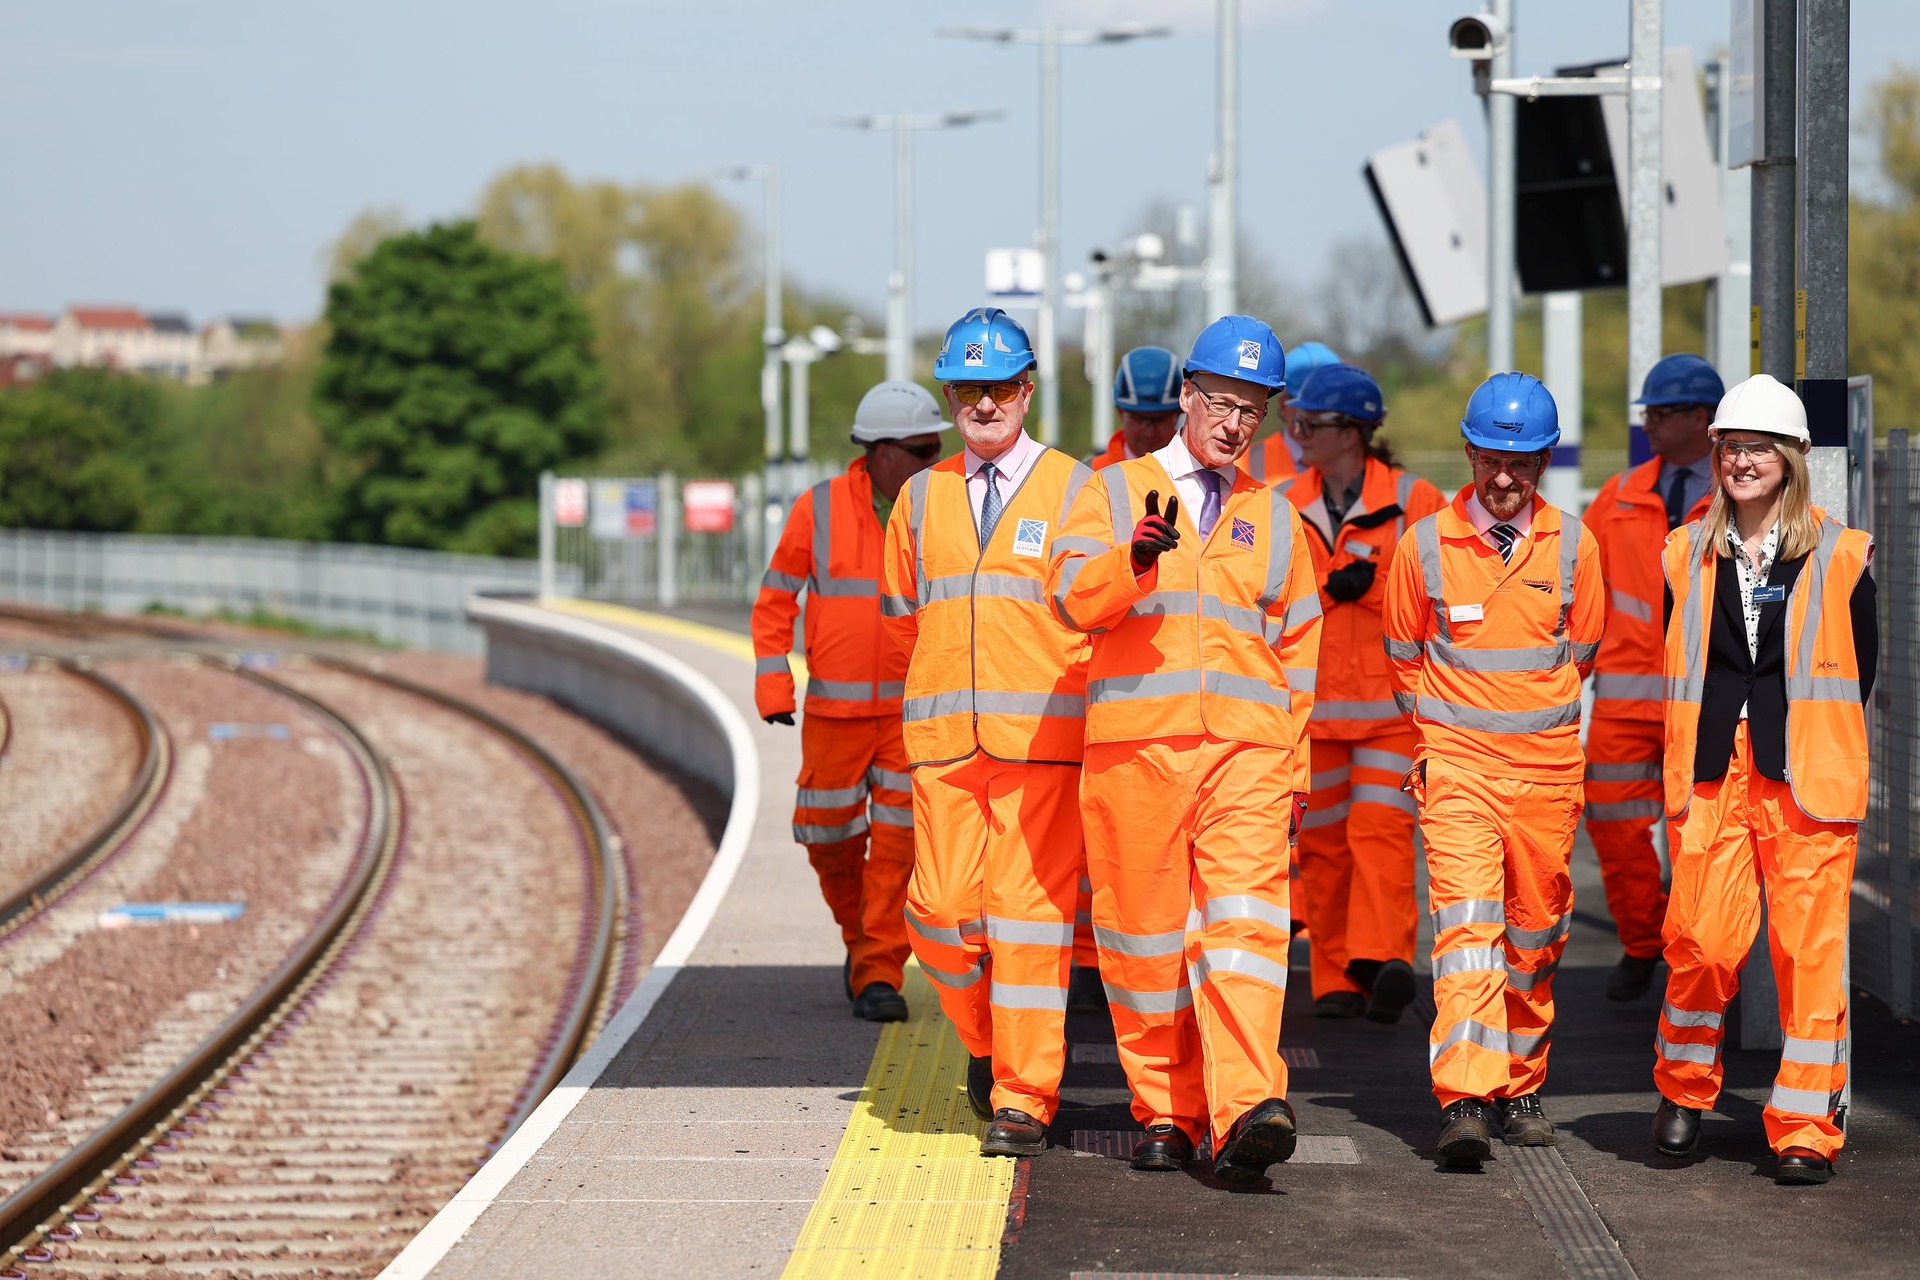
<point x="667" y="539"/>
<point x="1100" y="360"/>
<point x="1774" y="197"/>
<point x="1645" y="192"/>
<point x="1500" y="202"/>
<point x="546" y="535"/>
<point x="1050" y="234"/>
<point x="899" y="321"/>
<point x="1561" y="320"/>
<point x="1224" y="298"/>
<point x="799" y="366"/>
<point x="1728" y="296"/>
<point x="1824" y="124"/>
<point x="772" y="336"/>
<point x="1188" y="300"/>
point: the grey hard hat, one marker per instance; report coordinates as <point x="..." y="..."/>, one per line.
<point x="896" y="410"/>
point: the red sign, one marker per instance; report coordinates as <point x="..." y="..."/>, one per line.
<point x="708" y="505"/>
<point x="570" y="503"/>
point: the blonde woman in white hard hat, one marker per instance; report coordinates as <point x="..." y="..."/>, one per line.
<point x="1770" y="651"/>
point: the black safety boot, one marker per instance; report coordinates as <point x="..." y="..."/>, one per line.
<point x="1524" y="1123"/>
<point x="1165" y="1149"/>
<point x="1465" y="1139"/>
<point x="846" y="976"/>
<point x="980" y="1086"/>
<point x="1676" y="1129"/>
<point x="1085" y="992"/>
<point x="1393" y="991"/>
<point x="878" y="1002"/>
<point x="1264" y="1136"/>
<point x="1340" y="1004"/>
<point x="1800" y="1167"/>
<point x="1014" y="1133"/>
<point x="1631" y="977"/>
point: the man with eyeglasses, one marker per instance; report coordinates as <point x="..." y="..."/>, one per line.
<point x="1630" y="519"/>
<point x="1205" y="620"/>
<point x="995" y="714"/>
<point x="853" y="811"/>
<point x="1493" y="615"/>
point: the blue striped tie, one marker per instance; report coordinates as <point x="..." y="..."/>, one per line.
<point x="1505" y="535"/>
<point x="989" y="505"/>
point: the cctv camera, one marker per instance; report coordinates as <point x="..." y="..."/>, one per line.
<point x="1478" y="36"/>
<point x="824" y="338"/>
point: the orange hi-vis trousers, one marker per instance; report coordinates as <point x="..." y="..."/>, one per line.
<point x="991" y="907"/>
<point x="854" y="812"/>
<point x="1502" y="901"/>
<point x="1186" y="848"/>
<point x="1356" y="855"/>
<point x="1742" y="836"/>
<point x="1623" y="801"/>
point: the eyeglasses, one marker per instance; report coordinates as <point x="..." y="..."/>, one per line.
<point x="1757" y="450"/>
<point x="1661" y="412"/>
<point x="969" y="393"/>
<point x="1527" y="467"/>
<point x="925" y="452"/>
<point x="1224" y="407"/>
<point x="1320" y="421"/>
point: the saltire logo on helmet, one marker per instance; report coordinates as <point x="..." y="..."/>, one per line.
<point x="1249" y="354"/>
<point x="976" y="353"/>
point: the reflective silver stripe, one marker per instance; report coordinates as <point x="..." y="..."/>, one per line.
<point x="1803" y="1102"/>
<point x="1140" y="944"/>
<point x="1163" y="604"/>
<point x="1469" y="960"/>
<point x="1403" y="490"/>
<point x="773" y="664"/>
<point x="1523" y="980"/>
<point x="896" y="606"/>
<point x="1407" y="703"/>
<point x="1118" y="505"/>
<point x="1623" y="810"/>
<point x="835" y="798"/>
<point x="782" y="581"/>
<point x="1280" y="520"/>
<point x="1689" y="687"/>
<point x="1244" y="906"/>
<point x="1488" y="721"/>
<point x="1003" y="586"/>
<point x="1569" y="561"/>
<point x="991" y="702"/>
<point x="1543" y="658"/>
<point x="1080" y="544"/>
<point x="1161" y="684"/>
<point x="1008" y="995"/>
<point x="1584" y="652"/>
<point x="1637" y="609"/>
<point x="954" y="937"/>
<point x="1374" y="793"/>
<point x="1234" y="960"/>
<point x="953" y="981"/>
<point x="1828" y="689"/>
<point x="1404" y="650"/>
<point x="1388" y="761"/>
<point x="824" y="581"/>
<point x="1526" y="1046"/>
<point x="1301" y="679"/>
<point x="1813" y="1053"/>
<point x="1070" y="574"/>
<point x="1037" y="932"/>
<point x="1470" y="911"/>
<point x="1237" y="616"/>
<point x="1076" y="481"/>
<point x="1227" y="684"/>
<point x="1623" y="771"/>
<point x="1681" y="1051"/>
<point x="892" y="688"/>
<point x="1331" y="778"/>
<point x="841" y="690"/>
<point x="1426" y="539"/>
<point x="933" y="705"/>
<point x="1476" y="1032"/>
<point x="1534" y="939"/>
<point x="1611" y="685"/>
<point x="1334" y="710"/>
<point x="1326" y="817"/>
<point x="891" y="815"/>
<point x="916" y="521"/>
<point x="1801" y="684"/>
<point x="1149" y="1001"/>
<point x="889" y="779"/>
<point x="845" y="586"/>
<point x="804" y="834"/>
<point x="1679" y="1017"/>
<point x="1303" y="610"/>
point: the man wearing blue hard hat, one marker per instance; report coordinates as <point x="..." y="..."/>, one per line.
<point x="995" y="718"/>
<point x="1630" y="518"/>
<point x="1493" y="614"/>
<point x="1277" y="457"/>
<point x="1146" y="395"/>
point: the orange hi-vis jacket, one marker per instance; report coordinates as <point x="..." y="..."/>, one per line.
<point x="1218" y="638"/>
<point x="1826" y="725"/>
<point x="1487" y="658"/>
<point x="1628" y="518"/>
<point x="831" y="547"/>
<point x="991" y="669"/>
<point x="1270" y="461"/>
<point x="1116" y="451"/>
<point x="1354" y="696"/>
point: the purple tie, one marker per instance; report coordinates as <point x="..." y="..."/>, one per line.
<point x="1210" y="509"/>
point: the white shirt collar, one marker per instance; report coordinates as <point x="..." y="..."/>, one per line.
<point x="1180" y="462"/>
<point x="1483" y="519"/>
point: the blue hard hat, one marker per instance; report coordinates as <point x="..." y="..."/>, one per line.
<point x="1148" y="381"/>
<point x="984" y="345"/>
<point x="1240" y="347"/>
<point x="1682" y="379"/>
<point x="1513" y="412"/>
<point x="1338" y="388"/>
<point x="1303" y="359"/>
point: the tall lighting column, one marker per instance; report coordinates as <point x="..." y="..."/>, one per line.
<point x="773" y="333"/>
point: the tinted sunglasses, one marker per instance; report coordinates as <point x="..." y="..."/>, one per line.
<point x="925" y="452"/>
<point x="969" y="393"/>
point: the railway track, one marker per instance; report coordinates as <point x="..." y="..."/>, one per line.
<point x="364" y="1080"/>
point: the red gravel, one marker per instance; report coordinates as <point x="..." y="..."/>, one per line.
<point x="73" y="753"/>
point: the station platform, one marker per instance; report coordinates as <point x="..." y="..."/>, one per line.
<point x="748" y="1125"/>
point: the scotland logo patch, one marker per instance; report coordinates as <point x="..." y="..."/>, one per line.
<point x="1242" y="532"/>
<point x="976" y="354"/>
<point x="1030" y="537"/>
<point x="1249" y="354"/>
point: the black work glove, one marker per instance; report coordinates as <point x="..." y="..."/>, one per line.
<point x="780" y="717"/>
<point x="1350" y="582"/>
<point x="1155" y="533"/>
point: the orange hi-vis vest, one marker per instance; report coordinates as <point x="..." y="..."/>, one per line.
<point x="1629" y="521"/>
<point x="1826" y="724"/>
<point x="991" y="668"/>
<point x="1487" y="658"/>
<point x="1220" y="637"/>
<point x="1116" y="451"/>
<point x="1354" y="696"/>
<point x="1270" y="461"/>
<point x="831" y="547"/>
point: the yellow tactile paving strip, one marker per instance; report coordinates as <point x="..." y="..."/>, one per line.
<point x="908" y="1193"/>
<point x="731" y="643"/>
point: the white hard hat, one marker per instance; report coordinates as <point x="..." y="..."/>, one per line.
<point x="1762" y="403"/>
<point x="895" y="410"/>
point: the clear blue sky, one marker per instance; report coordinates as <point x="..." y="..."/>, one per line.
<point x="203" y="156"/>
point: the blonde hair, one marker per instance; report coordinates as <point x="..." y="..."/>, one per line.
<point x="1799" y="532"/>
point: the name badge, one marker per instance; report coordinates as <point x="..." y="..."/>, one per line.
<point x="1354" y="547"/>
<point x="1772" y="593"/>
<point x="1465" y="612"/>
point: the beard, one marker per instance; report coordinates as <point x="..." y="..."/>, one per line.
<point x="1504" y="504"/>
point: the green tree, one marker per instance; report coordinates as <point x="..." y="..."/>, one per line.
<point x="63" y="465"/>
<point x="454" y="373"/>
<point x="1883" y="285"/>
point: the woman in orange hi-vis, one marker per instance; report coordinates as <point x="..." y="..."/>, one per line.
<point x="995" y="715"/>
<point x="1494" y="612"/>
<point x="1770" y="656"/>
<point x="1356" y="842"/>
<point x="852" y="810"/>
<point x="1206" y="627"/>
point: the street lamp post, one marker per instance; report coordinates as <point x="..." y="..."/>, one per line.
<point x="1223" y="293"/>
<point x="899" y="283"/>
<point x="1049" y="38"/>
<point x="773" y="332"/>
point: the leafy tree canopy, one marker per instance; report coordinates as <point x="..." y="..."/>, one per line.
<point x="63" y="465"/>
